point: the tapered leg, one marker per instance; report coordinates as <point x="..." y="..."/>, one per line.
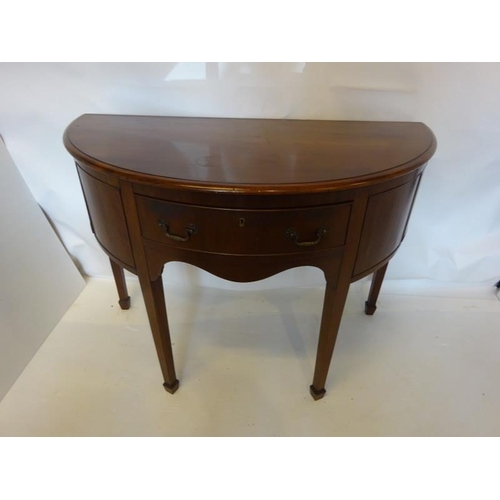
<point x="157" y="313"/>
<point x="332" y="313"/>
<point x="378" y="278"/>
<point x="121" y="285"/>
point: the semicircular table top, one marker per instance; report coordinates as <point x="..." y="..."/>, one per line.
<point x="249" y="152"/>
<point x="245" y="199"/>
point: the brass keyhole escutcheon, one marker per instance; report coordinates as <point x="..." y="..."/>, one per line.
<point x="242" y="221"/>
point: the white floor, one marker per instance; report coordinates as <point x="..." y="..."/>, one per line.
<point x="425" y="364"/>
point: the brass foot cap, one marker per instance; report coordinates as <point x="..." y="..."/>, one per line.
<point x="317" y="394"/>
<point x="369" y="309"/>
<point x="171" y="387"/>
<point x="124" y="303"/>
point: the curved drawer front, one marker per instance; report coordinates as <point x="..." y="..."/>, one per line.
<point x="104" y="204"/>
<point x="243" y="231"/>
<point x="384" y="226"/>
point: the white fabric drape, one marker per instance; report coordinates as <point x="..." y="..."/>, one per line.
<point x="454" y="233"/>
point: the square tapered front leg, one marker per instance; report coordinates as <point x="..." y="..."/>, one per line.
<point x="154" y="299"/>
<point x="333" y="306"/>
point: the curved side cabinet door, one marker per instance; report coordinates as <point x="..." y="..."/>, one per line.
<point x="384" y="226"/>
<point x="104" y="204"/>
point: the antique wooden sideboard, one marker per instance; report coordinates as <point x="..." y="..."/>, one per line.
<point x="248" y="198"/>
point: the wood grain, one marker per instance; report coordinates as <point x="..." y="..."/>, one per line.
<point x="249" y="155"/>
<point x="243" y="185"/>
<point x="243" y="231"/>
<point x="383" y="228"/>
<point x="107" y="220"/>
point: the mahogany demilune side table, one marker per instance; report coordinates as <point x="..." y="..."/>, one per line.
<point x="248" y="198"/>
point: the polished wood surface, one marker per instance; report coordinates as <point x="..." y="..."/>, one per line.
<point x="386" y="218"/>
<point x="376" y="285"/>
<point x="105" y="209"/>
<point x="250" y="154"/>
<point x="243" y="231"/>
<point x="121" y="285"/>
<point x="245" y="199"/>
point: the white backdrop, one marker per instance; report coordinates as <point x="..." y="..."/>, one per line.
<point x="454" y="233"/>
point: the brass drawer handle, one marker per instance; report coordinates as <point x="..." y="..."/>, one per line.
<point x="291" y="232"/>
<point x="190" y="230"/>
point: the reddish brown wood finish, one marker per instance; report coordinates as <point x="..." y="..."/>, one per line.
<point x="121" y="284"/>
<point x="378" y="278"/>
<point x="384" y="224"/>
<point x="108" y="223"/>
<point x="334" y="301"/>
<point x="248" y="155"/>
<point x="246" y="199"/>
<point x="243" y="231"/>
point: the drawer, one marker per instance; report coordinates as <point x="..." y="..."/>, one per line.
<point x="242" y="232"/>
